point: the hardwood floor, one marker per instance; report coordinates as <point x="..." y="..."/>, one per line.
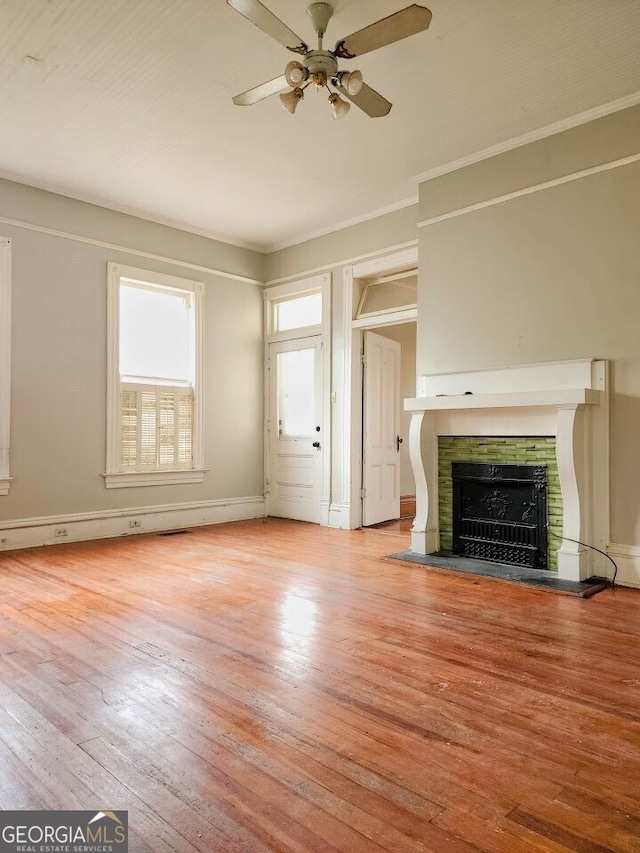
<point x="275" y="686"/>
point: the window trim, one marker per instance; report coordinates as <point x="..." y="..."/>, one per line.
<point x="113" y="477"/>
<point x="5" y="363"/>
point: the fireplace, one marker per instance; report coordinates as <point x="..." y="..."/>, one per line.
<point x="500" y="513"/>
<point x="567" y="401"/>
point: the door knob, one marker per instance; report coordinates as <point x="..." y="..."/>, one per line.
<point x="316" y="444"/>
<point x="398" y="443"/>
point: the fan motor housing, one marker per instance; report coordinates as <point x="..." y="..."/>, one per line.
<point x="321" y="62"/>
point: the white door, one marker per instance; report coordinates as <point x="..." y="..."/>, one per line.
<point x="381" y="433"/>
<point x="295" y="430"/>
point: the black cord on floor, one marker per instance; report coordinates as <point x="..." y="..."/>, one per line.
<point x="593" y="548"/>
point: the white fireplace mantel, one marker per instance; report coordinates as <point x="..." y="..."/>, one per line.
<point x="566" y="400"/>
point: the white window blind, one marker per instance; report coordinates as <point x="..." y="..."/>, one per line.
<point x="156" y="428"/>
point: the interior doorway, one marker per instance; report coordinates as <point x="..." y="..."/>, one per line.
<point x="388" y="376"/>
<point x="380" y="295"/>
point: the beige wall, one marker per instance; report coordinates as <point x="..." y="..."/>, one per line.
<point x="31" y="205"/>
<point x="59" y="349"/>
<point x="341" y="247"/>
<point x="613" y="137"/>
<point x="546" y="276"/>
<point x="554" y="274"/>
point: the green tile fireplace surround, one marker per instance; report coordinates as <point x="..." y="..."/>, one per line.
<point x="534" y="450"/>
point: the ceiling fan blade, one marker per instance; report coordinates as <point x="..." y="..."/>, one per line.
<point x="259" y="93"/>
<point x="405" y="23"/>
<point x="369" y="101"/>
<point x="263" y="18"/>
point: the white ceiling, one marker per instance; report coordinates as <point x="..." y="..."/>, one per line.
<point x="127" y="103"/>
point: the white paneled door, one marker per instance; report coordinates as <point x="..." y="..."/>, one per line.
<point x="381" y="439"/>
<point x="295" y="429"/>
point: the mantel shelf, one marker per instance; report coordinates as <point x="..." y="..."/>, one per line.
<point x="557" y="398"/>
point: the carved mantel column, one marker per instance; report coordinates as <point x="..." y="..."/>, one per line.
<point x="424" y="533"/>
<point x="572" y="557"/>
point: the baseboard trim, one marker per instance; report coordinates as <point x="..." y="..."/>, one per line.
<point x="80" y="527"/>
<point x="627" y="558"/>
<point x="340" y="516"/>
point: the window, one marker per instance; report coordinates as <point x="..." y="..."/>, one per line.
<point x="155" y="379"/>
<point x="5" y="361"/>
<point x="297" y="309"/>
<point x="298" y="313"/>
<point x="296" y="394"/>
<point x="382" y="294"/>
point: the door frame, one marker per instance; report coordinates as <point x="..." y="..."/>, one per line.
<point x="271" y="296"/>
<point x="352" y="448"/>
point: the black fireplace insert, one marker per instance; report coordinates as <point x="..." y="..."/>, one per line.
<point x="500" y="513"/>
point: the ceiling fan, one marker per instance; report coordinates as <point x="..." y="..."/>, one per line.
<point x="320" y="67"/>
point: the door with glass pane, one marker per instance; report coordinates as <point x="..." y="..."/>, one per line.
<point x="295" y="429"/>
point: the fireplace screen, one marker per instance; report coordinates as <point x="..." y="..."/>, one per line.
<point x="500" y="513"/>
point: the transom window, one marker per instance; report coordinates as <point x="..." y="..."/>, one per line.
<point x="297" y="309"/>
<point x="298" y="313"/>
<point x="382" y="294"/>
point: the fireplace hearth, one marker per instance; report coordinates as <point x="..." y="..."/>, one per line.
<point x="500" y="513"/>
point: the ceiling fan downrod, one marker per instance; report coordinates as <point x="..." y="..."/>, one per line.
<point x="320" y="14"/>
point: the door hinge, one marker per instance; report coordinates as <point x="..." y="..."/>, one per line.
<point x="363" y="493"/>
<point x="266" y="487"/>
<point x="363" y="359"/>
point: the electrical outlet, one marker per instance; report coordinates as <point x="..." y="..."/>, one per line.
<point x="135" y="522"/>
<point x="60" y="532"/>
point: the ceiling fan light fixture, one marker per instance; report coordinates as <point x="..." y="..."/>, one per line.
<point x="319" y="66"/>
<point x="290" y="100"/>
<point x="295" y="73"/>
<point x="339" y="107"/>
<point x="351" y="81"/>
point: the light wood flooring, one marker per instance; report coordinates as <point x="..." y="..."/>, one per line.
<point x="276" y="686"/>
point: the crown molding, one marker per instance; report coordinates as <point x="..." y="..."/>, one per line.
<point x="127" y="250"/>
<point x="533" y="136"/>
<point x="530" y="190"/>
<point x="341" y="262"/>
<point x="127" y="210"/>
<point x="265" y="249"/>
<point x="346" y="223"/>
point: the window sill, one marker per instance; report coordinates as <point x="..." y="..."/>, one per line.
<point x="4" y="485"/>
<point x="152" y="478"/>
